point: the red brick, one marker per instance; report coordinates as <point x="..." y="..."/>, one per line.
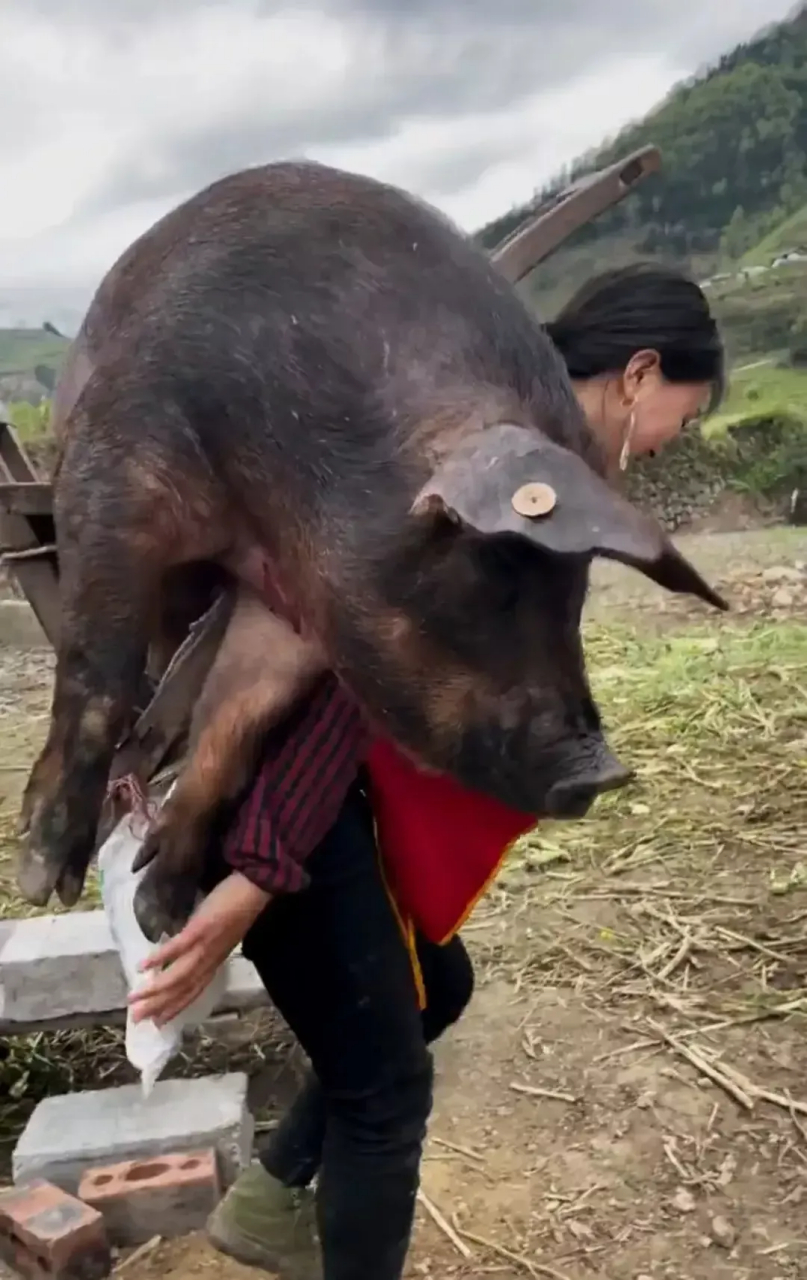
<point x="46" y="1234"/>
<point x="167" y="1195"/>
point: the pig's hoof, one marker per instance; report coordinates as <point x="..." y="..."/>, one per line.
<point x="70" y="886"/>
<point x="164" y="903"/>
<point x="50" y="861"/>
<point x="36" y="877"/>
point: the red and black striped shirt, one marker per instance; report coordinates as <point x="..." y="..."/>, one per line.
<point x="309" y="764"/>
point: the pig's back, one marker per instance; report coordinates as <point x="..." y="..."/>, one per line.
<point x="325" y="309"/>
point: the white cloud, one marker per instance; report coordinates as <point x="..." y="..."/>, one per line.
<point x="535" y="138"/>
<point x="100" y="96"/>
<point x="112" y="122"/>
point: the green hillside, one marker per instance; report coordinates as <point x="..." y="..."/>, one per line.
<point x="787" y="235"/>
<point x="759" y="314"/>
<point x="734" y="178"/>
<point x="22" y="349"/>
<point x="29" y="362"/>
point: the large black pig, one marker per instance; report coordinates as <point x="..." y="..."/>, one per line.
<point x="310" y="375"/>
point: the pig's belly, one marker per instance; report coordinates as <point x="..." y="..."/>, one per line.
<point x="265" y="607"/>
<point x="253" y="567"/>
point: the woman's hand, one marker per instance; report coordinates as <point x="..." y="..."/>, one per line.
<point x="193" y="956"/>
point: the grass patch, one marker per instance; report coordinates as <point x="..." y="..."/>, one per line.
<point x="699" y="715"/>
<point x="765" y="391"/>
<point x="31" y="422"/>
<point x="756" y="315"/>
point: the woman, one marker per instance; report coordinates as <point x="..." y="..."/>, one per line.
<point x="365" y="990"/>
<point x="644" y="355"/>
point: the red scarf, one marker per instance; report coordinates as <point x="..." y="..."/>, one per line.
<point x="441" y="845"/>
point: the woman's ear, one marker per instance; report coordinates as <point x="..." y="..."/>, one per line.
<point x="643" y="367"/>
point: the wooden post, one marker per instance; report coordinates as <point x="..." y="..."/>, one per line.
<point x="27" y="536"/>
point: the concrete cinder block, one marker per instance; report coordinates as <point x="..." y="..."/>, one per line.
<point x="7" y="927"/>
<point x="48" y="1235"/>
<point x="244" y="990"/>
<point x="169" y="1196"/>
<point x="67" y="966"/>
<point x="53" y="966"/>
<point x="71" y="1133"/>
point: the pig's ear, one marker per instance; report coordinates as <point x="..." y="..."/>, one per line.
<point x="508" y="479"/>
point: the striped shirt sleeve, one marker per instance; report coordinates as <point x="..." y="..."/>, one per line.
<point x="309" y="764"/>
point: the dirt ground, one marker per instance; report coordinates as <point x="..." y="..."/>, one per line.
<point x="626" y="1098"/>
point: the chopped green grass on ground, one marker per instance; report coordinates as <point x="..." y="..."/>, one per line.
<point x="713" y="707"/>
<point x="704" y="854"/>
<point x="702" y="716"/>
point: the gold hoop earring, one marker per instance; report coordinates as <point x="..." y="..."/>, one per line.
<point x="624" y="456"/>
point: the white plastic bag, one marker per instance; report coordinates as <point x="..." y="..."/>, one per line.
<point x="149" y="1048"/>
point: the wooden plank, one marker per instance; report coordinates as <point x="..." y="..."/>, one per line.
<point x="37" y="577"/>
<point x="13" y="456"/>
<point x="157" y="737"/>
<point x="165" y="719"/>
<point x="530" y="244"/>
<point x="26" y="497"/>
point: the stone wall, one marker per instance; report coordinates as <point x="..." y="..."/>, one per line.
<point x="682" y="484"/>
<point x="761" y="459"/>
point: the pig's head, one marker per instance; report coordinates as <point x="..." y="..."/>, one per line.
<point x="467" y="649"/>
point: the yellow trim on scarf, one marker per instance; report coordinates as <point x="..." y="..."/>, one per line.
<point x="477" y="896"/>
<point x="407" y="927"/>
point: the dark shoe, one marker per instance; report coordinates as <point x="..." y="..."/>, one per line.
<point x="261" y="1223"/>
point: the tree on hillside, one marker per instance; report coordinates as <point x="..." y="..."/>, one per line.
<point x="736" y="237"/>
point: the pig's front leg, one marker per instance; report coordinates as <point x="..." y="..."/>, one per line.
<point x="262" y="668"/>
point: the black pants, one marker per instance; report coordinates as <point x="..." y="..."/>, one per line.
<point x="334" y="963"/>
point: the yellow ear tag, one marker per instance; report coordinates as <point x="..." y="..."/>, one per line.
<point x="534" y="500"/>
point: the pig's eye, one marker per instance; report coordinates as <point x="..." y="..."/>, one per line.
<point x="504" y="596"/>
<point x="503" y="573"/>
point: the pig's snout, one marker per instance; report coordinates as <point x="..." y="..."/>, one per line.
<point x="572" y="797"/>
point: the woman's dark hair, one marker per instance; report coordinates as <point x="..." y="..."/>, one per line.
<point x="645" y="306"/>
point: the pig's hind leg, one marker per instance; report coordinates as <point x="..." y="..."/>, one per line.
<point x="121" y="519"/>
<point x="261" y="669"/>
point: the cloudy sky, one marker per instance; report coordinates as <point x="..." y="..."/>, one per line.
<point x="114" y="110"/>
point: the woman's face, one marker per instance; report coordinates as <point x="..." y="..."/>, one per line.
<point x="640" y="407"/>
<point x="662" y="409"/>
